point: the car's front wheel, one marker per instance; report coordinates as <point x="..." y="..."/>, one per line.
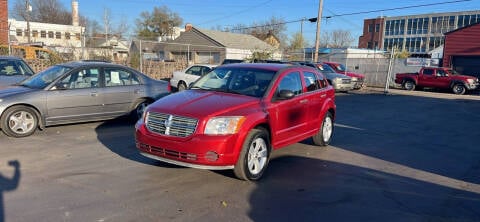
<point x="409" y="85"/>
<point x="254" y="157"/>
<point x="19" y="121"/>
<point x="459" y="89"/>
<point x="324" y="135"/>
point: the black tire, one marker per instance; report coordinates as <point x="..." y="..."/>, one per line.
<point x="19" y="121"/>
<point x="137" y="113"/>
<point x="409" y="85"/>
<point x="459" y="89"/>
<point x="181" y="86"/>
<point x="324" y="134"/>
<point x="254" y="157"/>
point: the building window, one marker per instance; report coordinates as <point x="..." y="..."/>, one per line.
<point x="369" y="45"/>
<point x="67" y="35"/>
<point x="377" y="27"/>
<point x="58" y="35"/>
<point x="43" y="34"/>
<point x="77" y="36"/>
<point x="375" y="46"/>
<point x="35" y="33"/>
<point x="370" y="28"/>
<point x="50" y="34"/>
<point x="19" y="32"/>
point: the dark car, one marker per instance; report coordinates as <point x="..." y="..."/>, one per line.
<point x="76" y="92"/>
<point x="13" y="70"/>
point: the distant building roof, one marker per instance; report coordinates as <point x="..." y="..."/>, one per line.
<point x="235" y="40"/>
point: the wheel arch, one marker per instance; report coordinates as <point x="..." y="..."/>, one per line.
<point x="409" y="79"/>
<point x="40" y="117"/>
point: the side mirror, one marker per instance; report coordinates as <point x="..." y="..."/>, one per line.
<point x="285" y="94"/>
<point x="60" y="86"/>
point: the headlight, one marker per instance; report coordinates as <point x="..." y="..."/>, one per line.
<point x="1" y="100"/>
<point x="470" y="81"/>
<point x="224" y="125"/>
<point x="337" y="80"/>
<point x="354" y="78"/>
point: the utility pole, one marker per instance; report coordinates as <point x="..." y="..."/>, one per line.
<point x="28" y="9"/>
<point x="301" y="34"/>
<point x="317" y="37"/>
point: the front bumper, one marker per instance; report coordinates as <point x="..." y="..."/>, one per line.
<point x="472" y="86"/>
<point x="358" y="83"/>
<point x="189" y="152"/>
<point x="343" y="87"/>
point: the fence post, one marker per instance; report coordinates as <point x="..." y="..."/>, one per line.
<point x="141" y="59"/>
<point x="390" y="69"/>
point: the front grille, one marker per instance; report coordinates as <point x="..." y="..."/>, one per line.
<point x="167" y="153"/>
<point x="346" y="81"/>
<point x="171" y="125"/>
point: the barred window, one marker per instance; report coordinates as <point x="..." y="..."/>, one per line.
<point x="58" y="35"/>
<point x="43" y="34"/>
<point x="50" y="34"/>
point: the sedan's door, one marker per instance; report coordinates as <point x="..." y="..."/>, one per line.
<point x="122" y="90"/>
<point x="75" y="98"/>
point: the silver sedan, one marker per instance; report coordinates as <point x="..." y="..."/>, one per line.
<point x="76" y="92"/>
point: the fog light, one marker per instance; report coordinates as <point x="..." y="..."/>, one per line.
<point x="211" y="156"/>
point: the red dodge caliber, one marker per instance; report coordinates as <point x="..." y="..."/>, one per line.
<point x="236" y="115"/>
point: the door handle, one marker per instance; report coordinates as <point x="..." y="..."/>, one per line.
<point x="323" y="95"/>
<point x="303" y="101"/>
<point x="94" y="94"/>
<point x="136" y="91"/>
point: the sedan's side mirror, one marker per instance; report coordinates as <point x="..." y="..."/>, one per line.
<point x="60" y="86"/>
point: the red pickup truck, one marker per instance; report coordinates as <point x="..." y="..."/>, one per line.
<point x="437" y="77"/>
<point x="236" y="115"/>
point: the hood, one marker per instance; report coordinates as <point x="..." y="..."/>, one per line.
<point x="201" y="103"/>
<point x="10" y="80"/>
<point x="462" y="77"/>
<point x="332" y="75"/>
<point x="354" y="74"/>
<point x="6" y="91"/>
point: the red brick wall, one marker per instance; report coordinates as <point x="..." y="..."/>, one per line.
<point x="371" y="36"/>
<point x="3" y="22"/>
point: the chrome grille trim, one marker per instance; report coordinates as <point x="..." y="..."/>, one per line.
<point x="171" y="125"/>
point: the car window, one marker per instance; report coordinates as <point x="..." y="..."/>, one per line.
<point x="291" y="82"/>
<point x="205" y="70"/>
<point x="428" y="72"/>
<point x="120" y="77"/>
<point x="311" y="81"/>
<point x="85" y="78"/>
<point x="195" y="70"/>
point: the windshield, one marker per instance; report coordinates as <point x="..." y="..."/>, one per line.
<point x="324" y="68"/>
<point x="45" y="77"/>
<point x="341" y="67"/>
<point x="244" y="81"/>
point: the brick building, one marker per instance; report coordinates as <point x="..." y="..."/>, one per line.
<point x="416" y="34"/>
<point x="3" y="22"/>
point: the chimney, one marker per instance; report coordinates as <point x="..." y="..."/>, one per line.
<point x="75" y="13"/>
<point x="188" y="27"/>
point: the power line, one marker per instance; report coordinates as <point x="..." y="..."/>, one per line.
<point x="391" y="9"/>
<point x="314" y="19"/>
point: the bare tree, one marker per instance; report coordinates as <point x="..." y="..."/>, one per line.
<point x="46" y="11"/>
<point x="336" y="39"/>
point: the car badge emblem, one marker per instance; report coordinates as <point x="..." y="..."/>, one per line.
<point x="168" y="122"/>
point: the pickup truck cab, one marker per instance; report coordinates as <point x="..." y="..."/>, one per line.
<point x="437" y="77"/>
<point x="236" y="115"/>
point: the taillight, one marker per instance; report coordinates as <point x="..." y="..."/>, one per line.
<point x="169" y="87"/>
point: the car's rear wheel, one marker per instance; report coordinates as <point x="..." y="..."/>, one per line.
<point x="459" y="89"/>
<point x="409" y="85"/>
<point x="254" y="157"/>
<point x="140" y="108"/>
<point x="182" y="86"/>
<point x="19" y="121"/>
<point x="324" y="135"/>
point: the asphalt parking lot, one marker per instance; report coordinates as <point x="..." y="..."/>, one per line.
<point x="404" y="156"/>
